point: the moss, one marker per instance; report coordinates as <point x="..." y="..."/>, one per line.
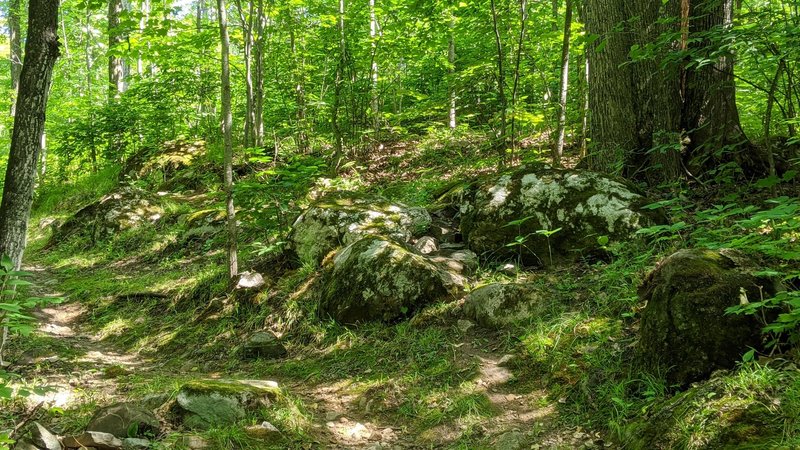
<point x="231" y="387"/>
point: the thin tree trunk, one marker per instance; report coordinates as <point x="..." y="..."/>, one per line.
<point x="258" y="109"/>
<point x="227" y="122"/>
<point x="451" y="60"/>
<point x="89" y="96"/>
<point x="116" y="80"/>
<point x="337" y="92"/>
<point x="142" y="25"/>
<point x="768" y="119"/>
<point x="563" y="86"/>
<point x="41" y="52"/>
<point x="374" y="99"/>
<point x="501" y="77"/>
<point x="299" y="85"/>
<point x="585" y="108"/>
<point x="15" y="48"/>
<point x="523" y="16"/>
<point x="247" y="26"/>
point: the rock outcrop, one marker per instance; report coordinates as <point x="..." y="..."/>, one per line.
<point x="684" y="328"/>
<point x="342" y="218"/>
<point x="549" y="216"/>
<point x="378" y="278"/>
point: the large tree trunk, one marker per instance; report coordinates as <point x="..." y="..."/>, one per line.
<point x="41" y="52"/>
<point x="710" y="113"/>
<point x="15" y="49"/>
<point x="227" y="122"/>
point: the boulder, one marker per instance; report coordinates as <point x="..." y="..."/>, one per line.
<point x="342" y="218"/>
<point x="558" y="215"/>
<point x="93" y="439"/>
<point x="172" y="157"/>
<point x="43" y="438"/>
<point x="203" y="404"/>
<point x="135" y="444"/>
<point x="684" y="327"/>
<point x="263" y="344"/>
<point x="427" y="245"/>
<point x="124" y="209"/>
<point x="499" y="305"/>
<point x="377" y="278"/>
<point x="265" y="431"/>
<point x="125" y="420"/>
<point x="720" y="413"/>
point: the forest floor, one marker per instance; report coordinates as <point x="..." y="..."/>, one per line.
<point x="79" y="370"/>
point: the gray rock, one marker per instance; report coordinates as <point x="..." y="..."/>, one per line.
<point x="100" y="441"/>
<point x="202" y="404"/>
<point x="512" y="440"/>
<point x="24" y="444"/>
<point x="533" y="202"/>
<point x="342" y="218"/>
<point x="265" y="431"/>
<point x="135" y="444"/>
<point x="152" y="402"/>
<point x="193" y="442"/>
<point x="377" y="278"/>
<point x="427" y="245"/>
<point x="125" y="420"/>
<point x="502" y="304"/>
<point x="44" y="438"/>
<point x="684" y="327"/>
<point x="263" y="344"/>
<point x="508" y="269"/>
<point x="464" y="325"/>
<point x="250" y="280"/>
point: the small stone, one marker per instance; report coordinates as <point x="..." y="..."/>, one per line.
<point x="331" y="416"/>
<point x="25" y="445"/>
<point x="264" y="432"/>
<point x="427" y="245"/>
<point x="506" y="360"/>
<point x="508" y="269"/>
<point x="513" y="440"/>
<point x="194" y="442"/>
<point x="44" y="438"/>
<point x="101" y="441"/>
<point x="135" y="444"/>
<point x="250" y="280"/>
<point x="153" y="401"/>
<point x="263" y="344"/>
<point x="124" y="420"/>
<point x="465" y="325"/>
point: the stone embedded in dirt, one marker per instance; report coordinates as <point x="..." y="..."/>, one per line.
<point x="250" y="280"/>
<point x="499" y="305"/>
<point x="124" y="209"/>
<point x="152" y="402"/>
<point x="193" y="442"/>
<point x="263" y="344"/>
<point x="543" y="216"/>
<point x="203" y="404"/>
<point x="464" y="325"/>
<point x="427" y="245"/>
<point x="684" y="327"/>
<point x="125" y="420"/>
<point x="377" y="278"/>
<point x="342" y="218"/>
<point x="135" y="444"/>
<point x="462" y="262"/>
<point x="43" y="438"/>
<point x="100" y="441"/>
<point x="512" y="440"/>
<point x="265" y="431"/>
<point x="24" y="444"/>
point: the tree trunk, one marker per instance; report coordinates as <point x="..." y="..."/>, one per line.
<point x="337" y="92"/>
<point x="246" y="20"/>
<point x="15" y="48"/>
<point x="227" y="122"/>
<point x="299" y="76"/>
<point x="710" y="113"/>
<point x="501" y="77"/>
<point x="116" y="79"/>
<point x="523" y="19"/>
<point x="374" y="99"/>
<point x="41" y="52"/>
<point x="451" y="60"/>
<point x="258" y="108"/>
<point x="563" y="86"/>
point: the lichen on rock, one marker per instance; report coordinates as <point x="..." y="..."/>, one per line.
<point x="498" y="305"/>
<point x="341" y="218"/>
<point x="377" y="278"/>
<point x="532" y="203"/>
<point x="202" y="404"/>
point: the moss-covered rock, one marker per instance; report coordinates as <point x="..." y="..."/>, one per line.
<point x="684" y="327"/>
<point x="203" y="404"/>
<point x="583" y="206"/>
<point x="377" y="278"/>
<point x="124" y="420"/>
<point x="341" y="218"/>
<point x="499" y="305"/>
<point x="124" y="209"/>
<point x="747" y="410"/>
<point x="172" y="157"/>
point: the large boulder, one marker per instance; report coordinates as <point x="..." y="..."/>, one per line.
<point x="377" y="278"/>
<point x="546" y="216"/>
<point x="341" y="218"/>
<point x="499" y="305"/>
<point x="124" y="209"/>
<point x="204" y="404"/>
<point x="684" y="327"/>
<point x="125" y="420"/>
<point x="721" y="413"/>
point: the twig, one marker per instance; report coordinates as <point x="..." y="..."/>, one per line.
<point x="25" y="420"/>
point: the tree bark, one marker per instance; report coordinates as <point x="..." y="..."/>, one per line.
<point x="227" y="122"/>
<point x="15" y="48"/>
<point x="374" y="94"/>
<point x="41" y="52"/>
<point x="563" y="86"/>
<point x="116" y="71"/>
<point x="250" y="118"/>
<point x="523" y="20"/>
<point x="501" y="76"/>
<point x="337" y="92"/>
<point x="258" y="108"/>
